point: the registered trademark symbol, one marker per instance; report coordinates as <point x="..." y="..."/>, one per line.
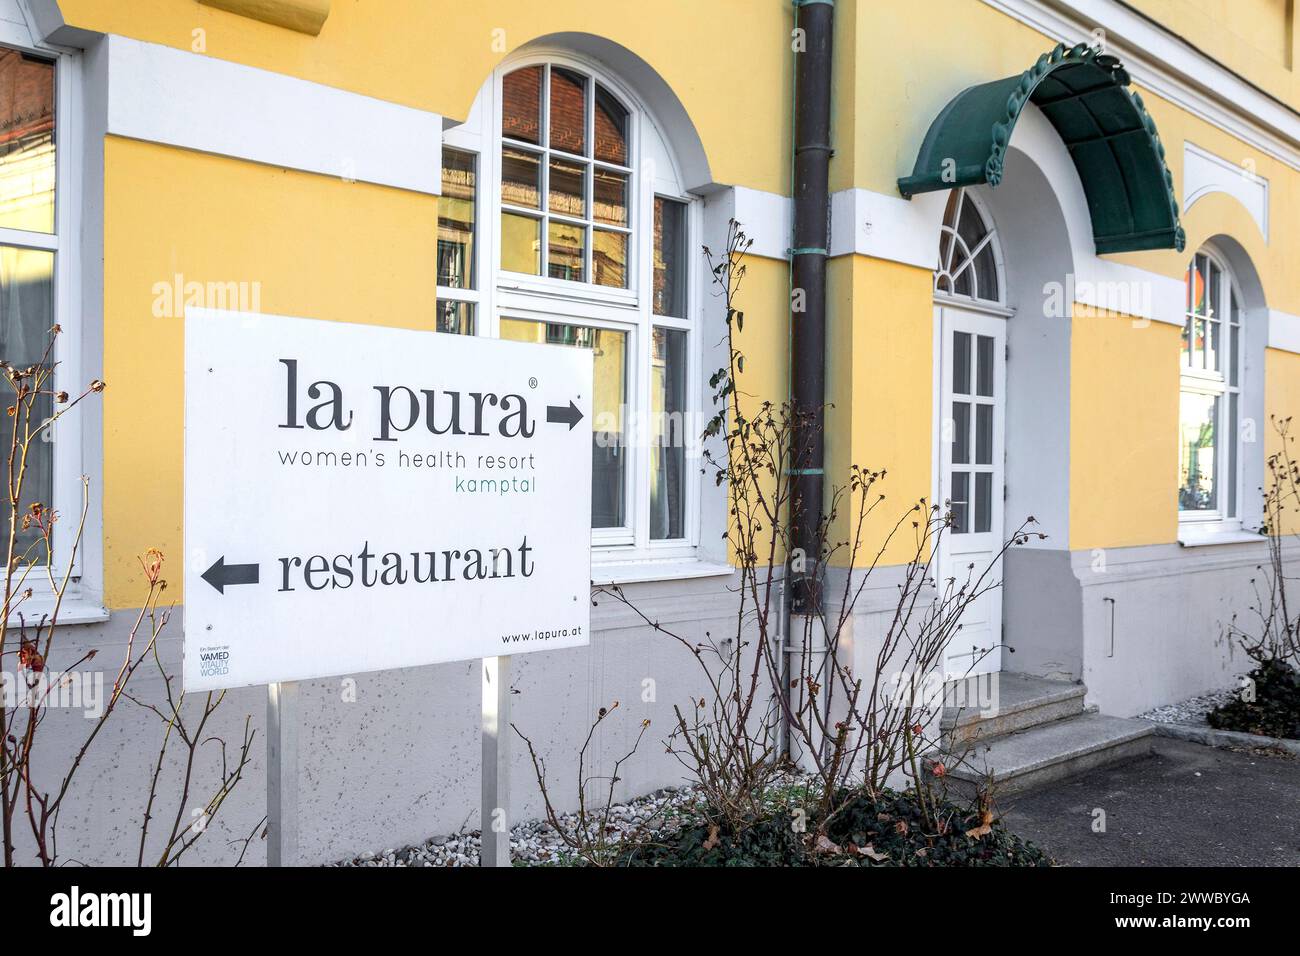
<point x="532" y="383"/>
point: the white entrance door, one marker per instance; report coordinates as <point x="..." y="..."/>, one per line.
<point x="970" y="460"/>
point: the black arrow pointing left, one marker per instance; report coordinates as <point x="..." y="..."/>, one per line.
<point x="221" y="574"/>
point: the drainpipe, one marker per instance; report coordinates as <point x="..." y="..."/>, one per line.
<point x="810" y="187"/>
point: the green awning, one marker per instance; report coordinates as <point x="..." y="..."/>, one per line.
<point x="1110" y="136"/>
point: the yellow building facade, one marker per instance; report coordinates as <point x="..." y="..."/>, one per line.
<point x="550" y="171"/>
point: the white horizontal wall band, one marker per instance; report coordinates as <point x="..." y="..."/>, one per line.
<point x="767" y="218"/>
<point x="1205" y="173"/>
<point x="887" y="227"/>
<point x="1169" y="67"/>
<point x="162" y="95"/>
<point x="1283" y="331"/>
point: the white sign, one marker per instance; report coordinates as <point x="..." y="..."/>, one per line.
<point x="360" y="498"/>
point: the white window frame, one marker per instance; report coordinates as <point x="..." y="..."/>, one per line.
<point x="69" y="438"/>
<point x="1217" y="383"/>
<point x="499" y="294"/>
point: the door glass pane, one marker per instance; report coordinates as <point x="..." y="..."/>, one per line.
<point x="611" y="128"/>
<point x="567" y="189"/>
<point x="521" y="183"/>
<point x="1197" y="425"/>
<point x="985" y="363"/>
<point x="26" y="315"/>
<point x="961" y="433"/>
<point x="609" y="258"/>
<point x="521" y="243"/>
<point x="566" y="251"/>
<point x="456" y="221"/>
<point x="958" y="502"/>
<point x="983" y="434"/>
<point x="455" y="317"/>
<point x="670" y="258"/>
<point x="983" y="502"/>
<point x="611" y="197"/>
<point x="961" y="363"/>
<point x="521" y="103"/>
<point x="668" y="426"/>
<point x="608" y="403"/>
<point x="568" y="118"/>
<point x="27" y="142"/>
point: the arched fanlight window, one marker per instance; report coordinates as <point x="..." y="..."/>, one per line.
<point x="968" y="265"/>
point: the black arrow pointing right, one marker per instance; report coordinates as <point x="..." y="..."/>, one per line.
<point x="221" y="574"/>
<point x="558" y="413"/>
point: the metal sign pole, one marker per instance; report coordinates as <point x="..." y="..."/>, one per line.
<point x="494" y="823"/>
<point x="282" y="774"/>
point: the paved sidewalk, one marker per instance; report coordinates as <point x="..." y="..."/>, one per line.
<point x="1189" y="805"/>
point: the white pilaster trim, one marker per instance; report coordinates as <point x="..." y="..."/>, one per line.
<point x="162" y="95"/>
<point x="1283" y="331"/>
<point x="1170" y="67"/>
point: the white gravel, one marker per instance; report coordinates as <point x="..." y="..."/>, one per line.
<point x="535" y="842"/>
<point x="1190" y="711"/>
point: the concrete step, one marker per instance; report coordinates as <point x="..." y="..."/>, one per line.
<point x="1021" y="702"/>
<point x="1050" y="752"/>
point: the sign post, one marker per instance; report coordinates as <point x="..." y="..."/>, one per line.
<point x="282" y="773"/>
<point x="495" y="819"/>
<point x="360" y="498"/>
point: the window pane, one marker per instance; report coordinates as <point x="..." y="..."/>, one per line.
<point x="1212" y="353"/>
<point x="566" y="251"/>
<point x="27" y="143"/>
<point x="26" y="316"/>
<point x="1231" y="477"/>
<point x="1197" y="425"/>
<point x="520" y="178"/>
<point x="1213" y="294"/>
<point x="958" y="502"/>
<point x="610" y="382"/>
<point x="961" y="363"/>
<point x="611" y="128"/>
<point x="1234" y="354"/>
<point x="611" y="197"/>
<point x="668" y="451"/>
<point x="961" y="433"/>
<point x="609" y="258"/>
<point x="521" y="244"/>
<point x="1198" y="343"/>
<point x="456" y="221"/>
<point x="983" y="502"/>
<point x="985" y="362"/>
<point x="670" y="258"/>
<point x="1198" y="285"/>
<point x="567" y="189"/>
<point x="521" y="103"/>
<point x="568" y="118"/>
<point x="983" y="434"/>
<point x="455" y="317"/>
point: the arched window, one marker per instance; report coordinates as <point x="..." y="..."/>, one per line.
<point x="562" y="221"/>
<point x="968" y="252"/>
<point x="1210" y="402"/>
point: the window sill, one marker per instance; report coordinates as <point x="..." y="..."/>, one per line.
<point x="638" y="572"/>
<point x="72" y="611"/>
<point x="1205" y="537"/>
